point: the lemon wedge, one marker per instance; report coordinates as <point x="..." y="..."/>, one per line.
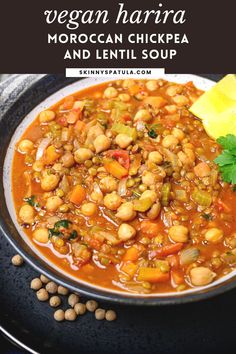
<point x="217" y="108"/>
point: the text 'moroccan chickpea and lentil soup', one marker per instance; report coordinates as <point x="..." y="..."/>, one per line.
<point x="120" y="189"/>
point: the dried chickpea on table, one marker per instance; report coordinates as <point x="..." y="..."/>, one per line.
<point x="120" y="189"/>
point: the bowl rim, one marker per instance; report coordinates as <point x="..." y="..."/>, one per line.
<point x="85" y="289"/>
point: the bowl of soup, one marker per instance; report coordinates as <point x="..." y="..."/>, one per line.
<point x="110" y="188"/>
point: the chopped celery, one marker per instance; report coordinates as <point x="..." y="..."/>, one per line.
<point x="102" y="118"/>
<point x="121" y="128"/>
<point x="202" y="198"/>
<point x="165" y="194"/>
<point x="142" y="205"/>
<point x="189" y="255"/>
<point x="121" y="106"/>
<point x="135" y="164"/>
<point x="116" y="169"/>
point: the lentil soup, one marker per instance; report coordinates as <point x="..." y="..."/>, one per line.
<point x="119" y="189"/>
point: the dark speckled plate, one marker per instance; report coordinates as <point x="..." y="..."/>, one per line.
<point x="205" y="327"/>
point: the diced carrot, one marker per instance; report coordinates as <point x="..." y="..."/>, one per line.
<point x="88" y="268"/>
<point x="129" y="268"/>
<point x="155" y="101"/>
<point x="177" y="277"/>
<point x="202" y="169"/>
<point x="166" y="250"/>
<point x="132" y="254"/>
<point x="115" y="169"/>
<point x="149" y="228"/>
<point x="133" y="90"/>
<point x="78" y="195"/>
<point x="79" y="126"/>
<point x="51" y="155"/>
<point x="152" y="275"/>
<point x="73" y="116"/>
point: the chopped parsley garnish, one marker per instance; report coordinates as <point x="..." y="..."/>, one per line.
<point x="154" y="130"/>
<point x="207" y="216"/>
<point x="152" y="134"/>
<point x="32" y="201"/>
<point x="58" y="227"/>
<point x="62" y="223"/>
<point x="226" y="161"/>
<point x="73" y="235"/>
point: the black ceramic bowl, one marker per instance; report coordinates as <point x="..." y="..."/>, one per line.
<point x="23" y="98"/>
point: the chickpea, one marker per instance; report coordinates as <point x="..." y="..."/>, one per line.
<point x="170" y="141"/>
<point x="68" y="159"/>
<point x="46" y="116"/>
<point x="173" y="90"/>
<point x="73" y="299"/>
<point x="82" y="154"/>
<point x="143" y="115"/>
<point x="102" y="143"/>
<point x="124" y="97"/>
<point x="36" y="284"/>
<point x="17" y="260"/>
<point x="110" y="315"/>
<point x="128" y="83"/>
<point x="214" y="235"/>
<point x="126" y="232"/>
<point x="59" y="315"/>
<point x="126" y="211"/>
<point x="149" y="178"/>
<point x="91" y="305"/>
<point x="93" y="132"/>
<point x="152" y="85"/>
<point x="41" y="235"/>
<point x="202" y="170"/>
<point x="89" y="209"/>
<point x="154" y="211"/>
<point x="187" y="157"/>
<point x="49" y="182"/>
<point x="110" y="92"/>
<point x="180" y="100"/>
<point x="112" y="201"/>
<point x="27" y="213"/>
<point x="70" y="315"/>
<point x="108" y="184"/>
<point x="53" y="203"/>
<point x="44" y="279"/>
<point x="97" y="196"/>
<point x="178" y="233"/>
<point x="51" y="287"/>
<point x="190" y="154"/>
<point x="123" y="140"/>
<point x="62" y="290"/>
<point x="155" y="157"/>
<point x="149" y="194"/>
<point x="37" y="166"/>
<point x="42" y="295"/>
<point x="25" y="146"/>
<point x="80" y="308"/>
<point x="178" y="133"/>
<point x="100" y="314"/>
<point x="171" y="108"/>
<point x="55" y="301"/>
<point x="201" y="276"/>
